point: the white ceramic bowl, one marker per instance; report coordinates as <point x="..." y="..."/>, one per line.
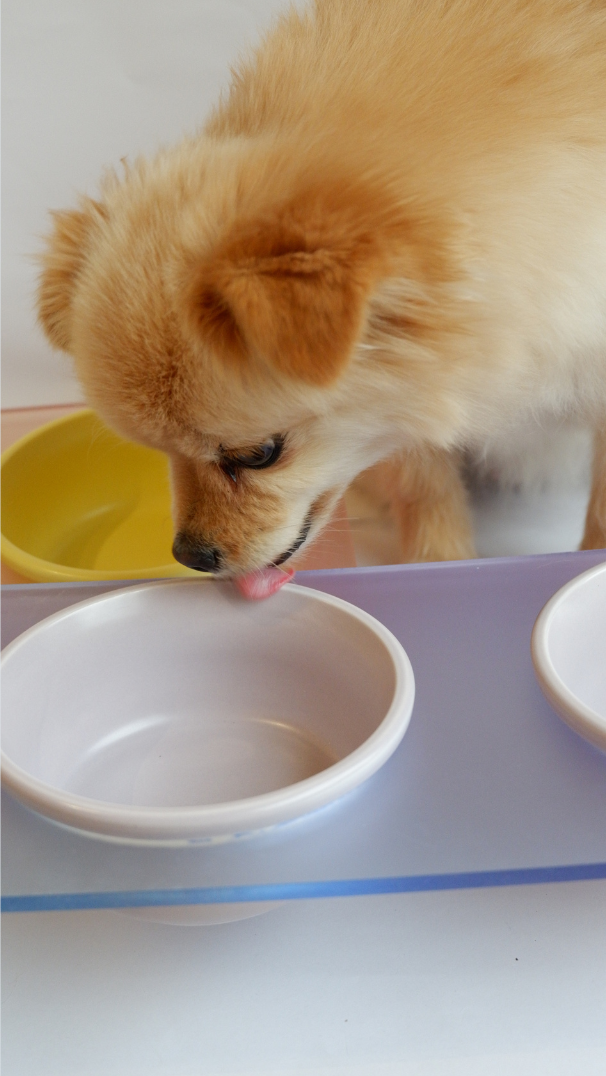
<point x="178" y="713"/>
<point x="569" y="654"/>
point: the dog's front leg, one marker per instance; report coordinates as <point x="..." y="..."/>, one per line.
<point x="595" y="520"/>
<point x="429" y="503"/>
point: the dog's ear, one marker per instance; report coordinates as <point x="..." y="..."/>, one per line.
<point x="61" y="263"/>
<point x="291" y="293"/>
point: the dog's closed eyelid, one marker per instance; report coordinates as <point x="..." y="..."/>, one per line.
<point x="256" y="458"/>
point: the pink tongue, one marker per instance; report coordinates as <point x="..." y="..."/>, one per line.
<point x="263" y="583"/>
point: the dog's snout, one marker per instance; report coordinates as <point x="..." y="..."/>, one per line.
<point x="196" y="554"/>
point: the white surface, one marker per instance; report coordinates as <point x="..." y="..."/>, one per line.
<point x="84" y="85"/>
<point x="511" y="523"/>
<point x="569" y="654"/>
<point x="180" y="712"/>
<point x="505" y="982"/>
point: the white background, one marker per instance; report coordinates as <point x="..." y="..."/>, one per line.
<point x="488" y="982"/>
<point x="87" y="82"/>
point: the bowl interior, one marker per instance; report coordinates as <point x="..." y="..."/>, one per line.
<point x="182" y="694"/>
<point x="576" y="640"/>
<point x="75" y="494"/>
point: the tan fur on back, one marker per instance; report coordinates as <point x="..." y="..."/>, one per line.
<point x="390" y="240"/>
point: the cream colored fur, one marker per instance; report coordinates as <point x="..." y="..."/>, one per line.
<point x="389" y="242"/>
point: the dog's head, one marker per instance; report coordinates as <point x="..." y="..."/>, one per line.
<point x="215" y="310"/>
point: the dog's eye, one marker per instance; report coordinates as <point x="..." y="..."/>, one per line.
<point x="255" y="458"/>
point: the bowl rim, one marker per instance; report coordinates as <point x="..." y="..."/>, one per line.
<point x="229" y="819"/>
<point x="40" y="570"/>
<point x="582" y="718"/>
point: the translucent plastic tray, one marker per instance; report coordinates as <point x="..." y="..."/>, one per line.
<point x="488" y="787"/>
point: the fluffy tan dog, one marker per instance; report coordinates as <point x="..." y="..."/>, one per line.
<point x="388" y="242"/>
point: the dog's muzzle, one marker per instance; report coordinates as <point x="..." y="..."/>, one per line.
<point x="196" y="554"/>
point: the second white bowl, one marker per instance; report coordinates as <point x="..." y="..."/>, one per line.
<point x="569" y="654"/>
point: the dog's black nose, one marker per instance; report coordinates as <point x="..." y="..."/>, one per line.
<point x="194" y="553"/>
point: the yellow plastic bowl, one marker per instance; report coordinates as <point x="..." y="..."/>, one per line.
<point x="80" y="503"/>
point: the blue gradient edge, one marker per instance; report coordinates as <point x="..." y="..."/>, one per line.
<point x="351" y="887"/>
